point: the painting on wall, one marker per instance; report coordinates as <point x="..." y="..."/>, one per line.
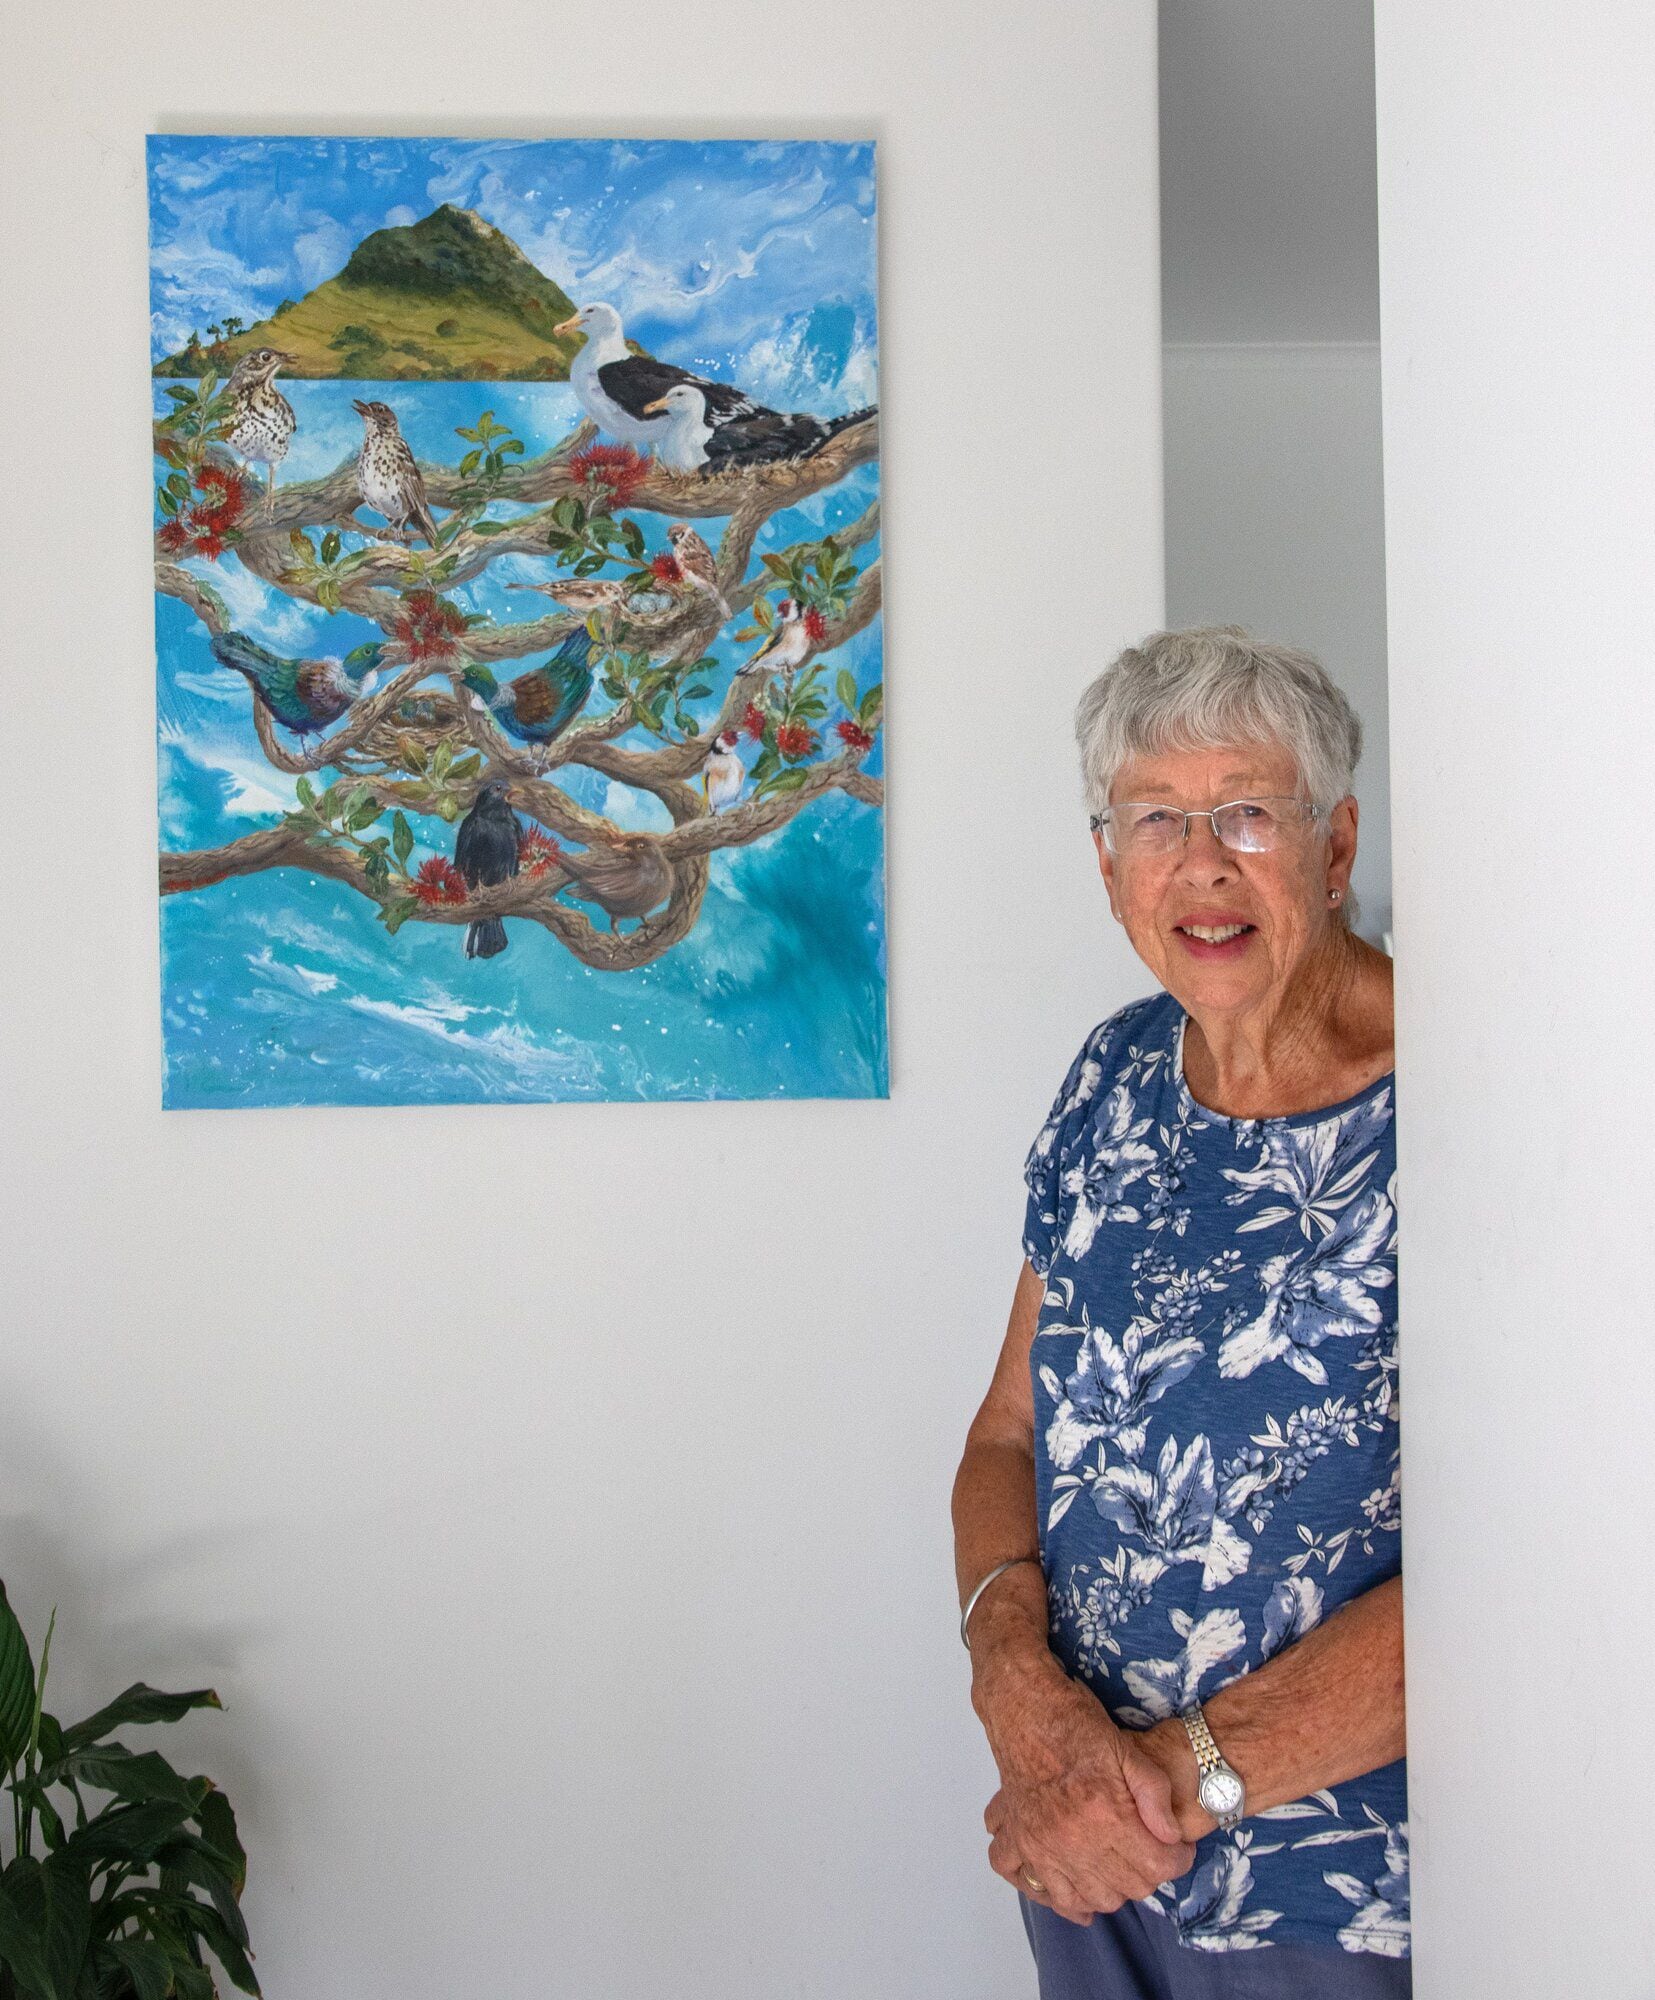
<point x="519" y="658"/>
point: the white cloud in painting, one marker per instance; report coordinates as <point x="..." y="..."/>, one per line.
<point x="248" y="786"/>
<point x="334" y="942"/>
<point x="257" y="607"/>
<point x="323" y="251"/>
<point x="789" y="371"/>
<point x="305" y="978"/>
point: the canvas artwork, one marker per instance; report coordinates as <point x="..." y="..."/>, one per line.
<point x="519" y="664"/>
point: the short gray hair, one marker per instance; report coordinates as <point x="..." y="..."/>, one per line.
<point x="1208" y="686"/>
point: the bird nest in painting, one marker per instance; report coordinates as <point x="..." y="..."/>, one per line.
<point x="519" y="660"/>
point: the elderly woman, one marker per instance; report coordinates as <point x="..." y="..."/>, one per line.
<point x="1177" y="1514"/>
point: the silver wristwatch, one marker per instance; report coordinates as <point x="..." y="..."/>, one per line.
<point x="1221" y="1790"/>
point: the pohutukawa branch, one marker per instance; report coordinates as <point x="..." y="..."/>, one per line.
<point x="424" y="744"/>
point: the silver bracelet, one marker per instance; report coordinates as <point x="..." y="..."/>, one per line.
<point x="999" y="1569"/>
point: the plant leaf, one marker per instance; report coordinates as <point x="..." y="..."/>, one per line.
<point x="147" y="1965"/>
<point x="45" y="1923"/>
<point x="16" y="1685"/>
<point x="143" y="1776"/>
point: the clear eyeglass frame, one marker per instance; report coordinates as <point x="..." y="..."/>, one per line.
<point x="1242" y="835"/>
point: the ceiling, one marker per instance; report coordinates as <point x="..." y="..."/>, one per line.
<point x="1268" y="192"/>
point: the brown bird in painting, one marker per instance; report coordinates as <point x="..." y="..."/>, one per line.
<point x="627" y="876"/>
<point x="391" y="482"/>
<point x="582" y="594"/>
<point x="695" y="559"/>
<point x="261" y="418"/>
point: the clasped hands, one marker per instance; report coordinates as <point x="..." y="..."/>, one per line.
<point x="1085" y="1818"/>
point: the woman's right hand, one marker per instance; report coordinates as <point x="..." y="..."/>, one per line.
<point x="1081" y="1808"/>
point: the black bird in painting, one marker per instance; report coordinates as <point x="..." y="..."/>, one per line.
<point x="485" y="852"/>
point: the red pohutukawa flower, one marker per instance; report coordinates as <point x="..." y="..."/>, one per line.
<point x="815" y="626"/>
<point x="226" y="496"/>
<point x="795" y="740"/>
<point x="752" y="720"/>
<point x="665" y="569"/>
<point x="853" y="734"/>
<point x="428" y="624"/>
<point x="207" y="526"/>
<point x="609" y="474"/>
<point x="536" y="851"/>
<point x="439" y="881"/>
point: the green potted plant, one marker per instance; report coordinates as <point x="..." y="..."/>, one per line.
<point x="110" y="1901"/>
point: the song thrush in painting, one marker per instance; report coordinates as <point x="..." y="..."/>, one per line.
<point x="391" y="482"/>
<point x="261" y="418"/>
<point x="485" y="852"/>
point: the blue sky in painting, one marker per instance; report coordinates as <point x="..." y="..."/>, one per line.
<point x="727" y="257"/>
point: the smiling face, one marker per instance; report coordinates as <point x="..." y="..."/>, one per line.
<point x="1278" y="900"/>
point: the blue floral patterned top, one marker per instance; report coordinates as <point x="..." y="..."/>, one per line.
<point x="1216" y="1438"/>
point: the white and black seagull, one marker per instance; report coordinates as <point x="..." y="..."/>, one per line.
<point x="615" y="387"/>
<point x="703" y="438"/>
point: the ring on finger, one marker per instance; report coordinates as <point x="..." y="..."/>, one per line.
<point x="1034" y="1882"/>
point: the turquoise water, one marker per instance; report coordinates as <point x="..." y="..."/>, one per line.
<point x="282" y="988"/>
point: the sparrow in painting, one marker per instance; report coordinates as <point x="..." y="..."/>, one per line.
<point x="261" y="418"/>
<point x="702" y="438"/>
<point x="581" y="594"/>
<point x="626" y="876"/>
<point x="391" y="482"/>
<point x="302" y="695"/>
<point x="787" y="643"/>
<point x="695" y="559"/>
<point x="485" y="852"/>
<point x="615" y="387"/>
<point x="723" y="774"/>
<point x="538" y="706"/>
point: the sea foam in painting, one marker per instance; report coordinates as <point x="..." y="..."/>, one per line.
<point x="519" y="654"/>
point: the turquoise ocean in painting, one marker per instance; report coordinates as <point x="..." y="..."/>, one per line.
<point x="753" y="265"/>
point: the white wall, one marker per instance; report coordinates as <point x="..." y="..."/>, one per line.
<point x="1275" y="521"/>
<point x="577" y="1581"/>
<point x="1516" y="153"/>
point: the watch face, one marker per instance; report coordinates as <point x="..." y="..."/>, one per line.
<point x="1221" y="1793"/>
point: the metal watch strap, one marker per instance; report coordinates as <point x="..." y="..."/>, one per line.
<point x="1208" y="1756"/>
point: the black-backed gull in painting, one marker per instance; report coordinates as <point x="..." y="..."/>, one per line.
<point x="615" y="387"/>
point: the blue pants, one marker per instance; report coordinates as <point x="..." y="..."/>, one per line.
<point x="1135" y="1955"/>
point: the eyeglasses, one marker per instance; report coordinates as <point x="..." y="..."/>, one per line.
<point x="1250" y="826"/>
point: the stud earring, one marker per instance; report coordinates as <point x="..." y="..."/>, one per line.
<point x="1333" y="895"/>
